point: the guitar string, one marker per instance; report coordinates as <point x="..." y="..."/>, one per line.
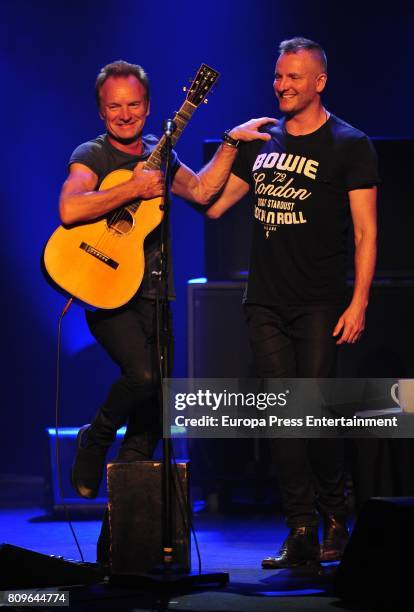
<point x="113" y="218"/>
<point x="109" y="235"/>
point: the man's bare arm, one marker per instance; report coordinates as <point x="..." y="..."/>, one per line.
<point x="201" y="187"/>
<point x="80" y="202"/>
<point x="233" y="191"/>
<point x="364" y="218"/>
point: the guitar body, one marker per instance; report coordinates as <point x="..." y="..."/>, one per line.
<point x="102" y="263"/>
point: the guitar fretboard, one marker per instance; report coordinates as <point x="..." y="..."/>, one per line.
<point x="155" y="160"/>
<point x="181" y="118"/>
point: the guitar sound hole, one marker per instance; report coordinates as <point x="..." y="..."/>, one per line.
<point x="121" y="222"/>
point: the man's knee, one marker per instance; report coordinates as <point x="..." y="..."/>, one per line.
<point x="143" y="382"/>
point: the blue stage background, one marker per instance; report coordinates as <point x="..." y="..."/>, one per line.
<point x="50" y="55"/>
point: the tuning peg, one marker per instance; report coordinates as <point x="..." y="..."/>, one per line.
<point x="184" y="88"/>
<point x="205" y="101"/>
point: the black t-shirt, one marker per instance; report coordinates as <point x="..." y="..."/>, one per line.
<point x="299" y="187"/>
<point x="102" y="158"/>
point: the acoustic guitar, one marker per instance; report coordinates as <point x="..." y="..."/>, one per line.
<point x="102" y="263"/>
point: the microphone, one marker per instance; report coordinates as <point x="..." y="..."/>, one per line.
<point x="169" y="127"/>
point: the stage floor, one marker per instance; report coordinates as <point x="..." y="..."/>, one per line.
<point x="235" y="544"/>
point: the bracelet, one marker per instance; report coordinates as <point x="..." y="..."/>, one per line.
<point x="228" y="140"/>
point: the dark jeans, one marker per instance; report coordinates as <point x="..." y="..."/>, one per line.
<point x="297" y="342"/>
<point x="128" y="334"/>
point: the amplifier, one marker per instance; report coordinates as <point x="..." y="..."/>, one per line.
<point x="135" y="516"/>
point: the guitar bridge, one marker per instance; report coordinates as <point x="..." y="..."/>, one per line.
<point x="99" y="255"/>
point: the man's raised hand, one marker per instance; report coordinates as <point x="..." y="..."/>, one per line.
<point x="250" y="130"/>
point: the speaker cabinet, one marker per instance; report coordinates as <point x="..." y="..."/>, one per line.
<point x="135" y="516"/>
<point x="218" y="345"/>
<point x="374" y="568"/>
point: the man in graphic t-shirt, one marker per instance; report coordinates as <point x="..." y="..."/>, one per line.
<point x="312" y="179"/>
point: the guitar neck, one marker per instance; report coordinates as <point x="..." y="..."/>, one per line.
<point x="181" y="118"/>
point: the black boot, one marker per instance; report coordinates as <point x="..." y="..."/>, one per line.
<point x="301" y="547"/>
<point x="335" y="538"/>
<point x="92" y="444"/>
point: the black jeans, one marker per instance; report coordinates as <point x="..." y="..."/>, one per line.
<point x="128" y="334"/>
<point x="297" y="342"/>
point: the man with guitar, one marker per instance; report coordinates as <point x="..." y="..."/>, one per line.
<point x="127" y="332"/>
<point x="315" y="176"/>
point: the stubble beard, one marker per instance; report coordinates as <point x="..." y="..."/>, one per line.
<point x="125" y="141"/>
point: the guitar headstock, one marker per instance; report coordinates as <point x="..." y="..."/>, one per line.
<point x="202" y="84"/>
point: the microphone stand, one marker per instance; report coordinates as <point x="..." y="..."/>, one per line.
<point x="163" y="335"/>
<point x="169" y="576"/>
